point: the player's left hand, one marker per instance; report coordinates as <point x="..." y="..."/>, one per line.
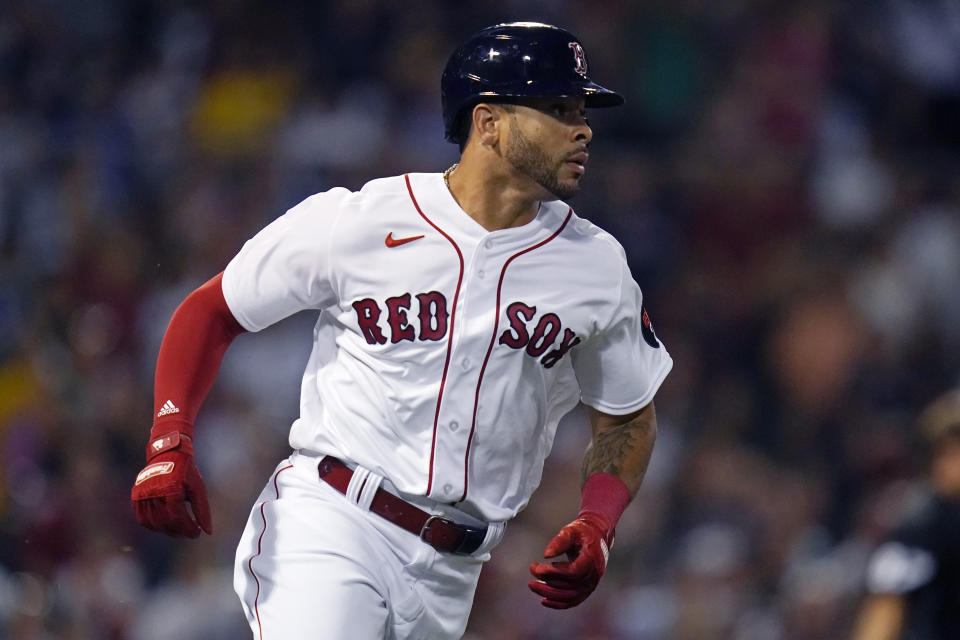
<point x="586" y="541"/>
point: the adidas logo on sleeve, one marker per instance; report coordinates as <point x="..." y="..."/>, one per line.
<point x="167" y="408"/>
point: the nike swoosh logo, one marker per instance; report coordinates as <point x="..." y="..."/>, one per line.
<point x="396" y="242"/>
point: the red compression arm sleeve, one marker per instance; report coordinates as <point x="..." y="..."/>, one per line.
<point x="606" y="495"/>
<point x="198" y="335"/>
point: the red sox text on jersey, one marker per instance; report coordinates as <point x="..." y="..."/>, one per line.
<point x="534" y="338"/>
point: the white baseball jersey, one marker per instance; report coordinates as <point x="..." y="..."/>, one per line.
<point x="445" y="354"/>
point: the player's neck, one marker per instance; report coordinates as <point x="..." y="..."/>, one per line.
<point x="494" y="198"/>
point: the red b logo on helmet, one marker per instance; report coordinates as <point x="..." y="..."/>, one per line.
<point x="580" y="58"/>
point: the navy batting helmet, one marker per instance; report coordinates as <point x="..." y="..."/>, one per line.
<point x="516" y="60"/>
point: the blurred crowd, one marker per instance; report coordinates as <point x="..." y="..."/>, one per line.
<point x="783" y="178"/>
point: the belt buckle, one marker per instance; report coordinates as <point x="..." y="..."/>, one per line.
<point x="425" y="529"/>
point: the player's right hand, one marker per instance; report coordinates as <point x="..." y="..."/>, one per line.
<point x="162" y="490"/>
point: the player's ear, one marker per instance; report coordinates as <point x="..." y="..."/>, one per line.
<point x="487" y="124"/>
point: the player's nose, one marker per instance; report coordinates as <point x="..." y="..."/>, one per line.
<point x="582" y="132"/>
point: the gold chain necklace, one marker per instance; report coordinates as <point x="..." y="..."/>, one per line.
<point x="448" y="173"/>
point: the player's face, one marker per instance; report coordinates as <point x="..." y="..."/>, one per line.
<point x="548" y="140"/>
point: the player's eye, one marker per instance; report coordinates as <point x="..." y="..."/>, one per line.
<point x="566" y="112"/>
<point x="557" y="110"/>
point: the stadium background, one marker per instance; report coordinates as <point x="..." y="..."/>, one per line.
<point x="783" y="177"/>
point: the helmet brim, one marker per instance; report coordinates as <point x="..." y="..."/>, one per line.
<point x="595" y="96"/>
<point x="600" y="97"/>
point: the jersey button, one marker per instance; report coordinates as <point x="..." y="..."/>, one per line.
<point x="448" y="489"/>
<point x="488" y="244"/>
<point x="480" y="273"/>
<point x="465" y="363"/>
<point x="454" y="425"/>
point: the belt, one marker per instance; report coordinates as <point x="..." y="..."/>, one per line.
<point x="440" y="533"/>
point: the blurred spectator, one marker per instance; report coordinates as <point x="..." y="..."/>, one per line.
<point x="913" y="578"/>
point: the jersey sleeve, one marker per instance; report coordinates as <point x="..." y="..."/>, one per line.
<point x="620" y="369"/>
<point x="287" y="266"/>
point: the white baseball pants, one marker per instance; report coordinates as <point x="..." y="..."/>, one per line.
<point x="313" y="566"/>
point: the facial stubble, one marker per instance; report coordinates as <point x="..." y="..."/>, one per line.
<point x="531" y="161"/>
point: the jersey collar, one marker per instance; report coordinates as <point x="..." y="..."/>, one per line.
<point x="438" y="203"/>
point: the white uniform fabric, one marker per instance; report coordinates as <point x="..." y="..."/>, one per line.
<point x="312" y="565"/>
<point x="430" y="359"/>
<point x="443" y="358"/>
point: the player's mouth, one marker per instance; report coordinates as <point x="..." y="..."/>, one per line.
<point x="577" y="162"/>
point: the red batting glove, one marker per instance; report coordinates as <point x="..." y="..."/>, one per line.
<point x="586" y="541"/>
<point x="164" y="487"/>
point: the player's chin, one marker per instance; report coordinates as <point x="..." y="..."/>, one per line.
<point x="568" y="185"/>
<point x="560" y="192"/>
<point x="562" y="184"/>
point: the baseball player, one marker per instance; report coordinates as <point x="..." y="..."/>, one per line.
<point x="461" y="316"/>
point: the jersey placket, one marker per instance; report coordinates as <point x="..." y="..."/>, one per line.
<point x="461" y="411"/>
<point x="476" y="317"/>
<point x="485" y="256"/>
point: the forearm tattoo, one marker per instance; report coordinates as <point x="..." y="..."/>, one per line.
<point x="623" y="450"/>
